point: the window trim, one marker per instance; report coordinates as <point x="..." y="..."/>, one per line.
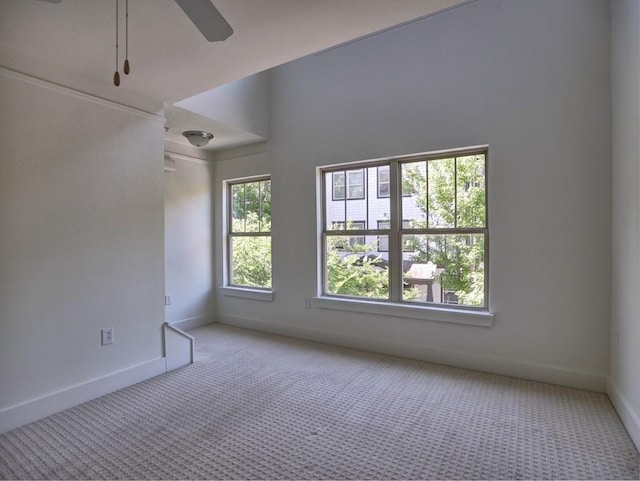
<point x="395" y="301"/>
<point x="227" y="288"/>
<point x="425" y="312"/>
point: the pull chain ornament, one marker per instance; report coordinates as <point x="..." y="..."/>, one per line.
<point x="126" y="68"/>
<point x="116" y="76"/>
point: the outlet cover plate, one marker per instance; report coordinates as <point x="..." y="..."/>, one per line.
<point x="107" y="336"/>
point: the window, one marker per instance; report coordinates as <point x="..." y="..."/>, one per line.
<point x="430" y="241"/>
<point x="354" y="186"/>
<point x="249" y="233"/>
<point x="384" y="181"/>
<point x="351" y="225"/>
<point x="383" y="244"/>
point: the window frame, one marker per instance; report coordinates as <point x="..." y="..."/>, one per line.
<point x="357" y="225"/>
<point x="346" y="185"/>
<point x="241" y="290"/>
<point x="395" y="233"/>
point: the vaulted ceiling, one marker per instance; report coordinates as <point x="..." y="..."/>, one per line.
<point x="73" y="42"/>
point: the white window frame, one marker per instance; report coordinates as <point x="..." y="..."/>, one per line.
<point x="354" y="225"/>
<point x="478" y="316"/>
<point x="228" y="288"/>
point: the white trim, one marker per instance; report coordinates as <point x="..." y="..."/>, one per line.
<point x="175" y="156"/>
<point x="466" y="360"/>
<point x="245" y="293"/>
<point x="179" y="347"/>
<point x="426" y="313"/>
<point x="459" y="152"/>
<point x="29" y="411"/>
<point x="192" y="322"/>
<point x="169" y="164"/>
<point x="630" y="419"/>
<point x="78" y="94"/>
<point x="241" y="151"/>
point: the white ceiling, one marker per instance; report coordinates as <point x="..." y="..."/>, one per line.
<point x="73" y="42"/>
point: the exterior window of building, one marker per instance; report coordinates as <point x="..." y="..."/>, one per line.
<point x="384" y="182"/>
<point x="350" y="182"/>
<point x="248" y="259"/>
<point x="424" y="237"/>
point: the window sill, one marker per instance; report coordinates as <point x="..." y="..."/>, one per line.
<point x="247" y="293"/>
<point x="427" y="313"/>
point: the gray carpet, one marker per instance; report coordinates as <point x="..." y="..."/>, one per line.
<point x="257" y="406"/>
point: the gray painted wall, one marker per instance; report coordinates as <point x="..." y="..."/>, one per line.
<point x="188" y="242"/>
<point x="532" y="80"/>
<point x="624" y="386"/>
<point x="81" y="243"/>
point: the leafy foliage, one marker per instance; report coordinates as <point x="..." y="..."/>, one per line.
<point x="251" y="213"/>
<point x="352" y="273"/>
<point x="451" y="194"/>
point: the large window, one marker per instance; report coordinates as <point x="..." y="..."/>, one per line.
<point x="427" y="240"/>
<point x="249" y="233"/>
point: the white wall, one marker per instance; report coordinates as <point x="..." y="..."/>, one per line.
<point x="81" y="246"/>
<point x="188" y="242"/>
<point x="531" y="80"/>
<point x="624" y="385"/>
<point x="243" y="104"/>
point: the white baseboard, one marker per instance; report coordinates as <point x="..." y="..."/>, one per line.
<point x="192" y="322"/>
<point x="628" y="416"/>
<point x="29" y="411"/>
<point x="534" y="372"/>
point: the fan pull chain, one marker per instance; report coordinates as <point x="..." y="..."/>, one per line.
<point x="126" y="68"/>
<point x="116" y="76"/>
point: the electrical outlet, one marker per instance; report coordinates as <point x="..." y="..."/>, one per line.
<point x="107" y="336"/>
<point x="307" y="303"/>
<point x="167" y="299"/>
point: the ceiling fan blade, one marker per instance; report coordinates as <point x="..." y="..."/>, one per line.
<point x="207" y="19"/>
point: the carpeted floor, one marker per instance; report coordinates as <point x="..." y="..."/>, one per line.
<point x="256" y="406"/>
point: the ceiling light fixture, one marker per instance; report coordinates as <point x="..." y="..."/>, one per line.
<point x="199" y="138"/>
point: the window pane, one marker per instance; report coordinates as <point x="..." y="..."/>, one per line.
<point x="442" y="192"/>
<point x="408" y="242"/>
<point x="383" y="240"/>
<point x="251" y="206"/>
<point x="446" y="269"/>
<point x="377" y="206"/>
<point x="251" y="261"/>
<point x="237" y="208"/>
<point x="338" y="184"/>
<point x="470" y="191"/>
<point x="384" y="181"/>
<point x="265" y="207"/>
<point x="334" y="208"/>
<point x="252" y="197"/>
<point x="356" y="213"/>
<point x="355" y="184"/>
<point x="353" y="273"/>
<point x="414" y="200"/>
